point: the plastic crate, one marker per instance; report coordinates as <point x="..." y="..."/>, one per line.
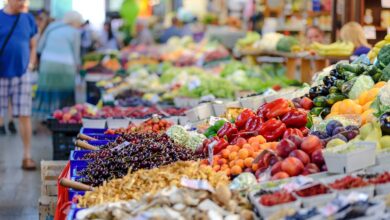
<point x="76" y="163"/>
<point x="107" y="137"/>
<point x="98" y="143"/>
<point x="55" y="126"/>
<point x="72" y="193"/>
<point x="87" y="131"/>
<point x="63" y="143"/>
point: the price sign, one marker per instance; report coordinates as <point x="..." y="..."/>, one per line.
<point x="121" y="146"/>
<point x="196" y="184"/>
<point x="370" y="32"/>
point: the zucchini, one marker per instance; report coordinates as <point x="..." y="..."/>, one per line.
<point x="316" y="111"/>
<point x="320" y="101"/>
<point x="335" y="97"/>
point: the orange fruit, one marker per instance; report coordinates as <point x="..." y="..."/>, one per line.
<point x="252" y="140"/>
<point x="227" y="171"/>
<point x="261" y="139"/>
<point x="229" y="147"/>
<point x="255" y="166"/>
<point x="205" y="162"/>
<point x="222" y="161"/>
<point x="216" y="168"/>
<point x="255" y="146"/>
<point x="241" y="141"/>
<point x="232" y="163"/>
<point x="235" y="148"/>
<point x="236" y="170"/>
<point x="243" y="153"/>
<point x="240" y="162"/>
<point x="233" y="156"/>
<point x="248" y="162"/>
<point x="224" y="167"/>
<point x="250" y="150"/>
<point x="225" y="153"/>
<point x="246" y="145"/>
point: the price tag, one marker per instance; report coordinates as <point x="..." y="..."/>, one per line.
<point x="121" y="146"/>
<point x="196" y="184"/>
<point x="369" y="32"/>
<point x="385" y="4"/>
<point x="211" y="150"/>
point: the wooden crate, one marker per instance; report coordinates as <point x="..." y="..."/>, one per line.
<point x="47" y="207"/>
<point x="50" y="170"/>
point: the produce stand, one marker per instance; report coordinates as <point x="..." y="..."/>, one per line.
<point x="93" y="93"/>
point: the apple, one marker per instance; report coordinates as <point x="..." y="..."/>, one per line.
<point x="310" y="144"/>
<point x="310" y="168"/>
<point x="296" y="140"/>
<point x="277" y="167"/>
<point x="317" y="158"/>
<point x="274" y="159"/>
<point x="292" y="166"/>
<point x="79" y="107"/>
<point x="302" y="156"/>
<point x="284" y="148"/>
<point x="58" y="114"/>
<point x="280" y="175"/>
<point x="66" y="117"/>
<point x="306" y="103"/>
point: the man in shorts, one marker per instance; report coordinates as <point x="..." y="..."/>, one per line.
<point x="17" y="56"/>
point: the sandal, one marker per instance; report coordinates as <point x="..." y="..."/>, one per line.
<point x="28" y="164"/>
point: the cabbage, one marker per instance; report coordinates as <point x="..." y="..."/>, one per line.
<point x="384" y="94"/>
<point x="178" y="134"/>
<point x="195" y="140"/>
<point x="362" y="83"/>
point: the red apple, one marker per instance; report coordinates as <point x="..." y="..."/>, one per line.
<point x="284" y="148"/>
<point x="310" y="168"/>
<point x="317" y="158"/>
<point x="66" y="117"/>
<point x="57" y="114"/>
<point x="302" y="156"/>
<point x="310" y="144"/>
<point x="274" y="159"/>
<point x="296" y="140"/>
<point x="280" y="175"/>
<point x="292" y="166"/>
<point x="277" y="167"/>
<point x="306" y="103"/>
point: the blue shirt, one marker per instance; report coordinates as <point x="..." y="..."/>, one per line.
<point x="16" y="55"/>
<point x="361" y="50"/>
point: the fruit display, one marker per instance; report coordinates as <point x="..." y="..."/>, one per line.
<point x="348" y="182"/>
<point x="315" y="190"/>
<point x="135" y="185"/>
<point x="379" y="178"/>
<point x="334" y="49"/>
<point x="335" y="130"/>
<point x="102" y="62"/>
<point x="178" y="203"/>
<point x="74" y="114"/>
<point x="134" y="151"/>
<point x="154" y="124"/>
<point x="276" y="198"/>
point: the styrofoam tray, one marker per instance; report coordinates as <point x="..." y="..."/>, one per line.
<point x="382" y="189"/>
<point x="383" y="158"/>
<point x="94" y="123"/>
<point x="266" y="211"/>
<point x="351" y="161"/>
<point x="253" y="102"/>
<point x="115" y="123"/>
<point x="317" y="200"/>
<point x="200" y="112"/>
<point x="369" y="190"/>
<point x="220" y="108"/>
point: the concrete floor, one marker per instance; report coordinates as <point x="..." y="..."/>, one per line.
<point x="20" y="190"/>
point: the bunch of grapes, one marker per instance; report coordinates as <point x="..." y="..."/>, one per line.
<point x="145" y="151"/>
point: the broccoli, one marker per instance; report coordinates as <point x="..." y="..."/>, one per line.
<point x="384" y="55"/>
<point x="285" y="43"/>
<point x="385" y="73"/>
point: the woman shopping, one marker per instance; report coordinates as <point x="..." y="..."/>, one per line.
<point x="60" y="57"/>
<point x="353" y="32"/>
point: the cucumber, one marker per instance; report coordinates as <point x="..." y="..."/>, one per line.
<point x="335" y="97"/>
<point x="320" y="101"/>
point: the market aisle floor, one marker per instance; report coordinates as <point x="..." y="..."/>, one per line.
<point x="20" y="190"/>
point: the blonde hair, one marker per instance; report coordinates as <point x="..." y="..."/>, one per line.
<point x="353" y="32"/>
<point x="73" y="18"/>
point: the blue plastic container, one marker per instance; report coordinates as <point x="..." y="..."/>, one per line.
<point x="73" y="193"/>
<point x="98" y="143"/>
<point x="109" y="137"/>
<point x="73" y="212"/>
<point x="88" y="131"/>
<point x="76" y="163"/>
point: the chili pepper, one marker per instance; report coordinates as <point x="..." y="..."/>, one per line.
<point x="295" y="118"/>
<point x="253" y="123"/>
<point x="292" y="131"/>
<point x="272" y="130"/>
<point x="227" y="130"/>
<point x="274" y="109"/>
<point x="305" y="131"/>
<point x="243" y="118"/>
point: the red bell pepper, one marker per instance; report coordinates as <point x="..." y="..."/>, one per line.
<point x="295" y="118"/>
<point x="219" y="145"/>
<point x="274" y="109"/>
<point x="253" y="123"/>
<point x="227" y="130"/>
<point x="243" y="134"/>
<point x="292" y="131"/>
<point x="243" y="118"/>
<point x="272" y="130"/>
<point x="305" y="131"/>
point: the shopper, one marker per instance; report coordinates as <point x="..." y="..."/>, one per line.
<point x="60" y="57"/>
<point x="144" y="35"/>
<point x="314" y="34"/>
<point x="108" y="40"/>
<point x="86" y="39"/>
<point x="17" y="55"/>
<point x="173" y="31"/>
<point x="353" y="32"/>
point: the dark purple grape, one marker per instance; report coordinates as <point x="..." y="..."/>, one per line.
<point x="340" y="136"/>
<point x="331" y="126"/>
<point x="352" y="128"/>
<point x="320" y="134"/>
<point x="351" y="134"/>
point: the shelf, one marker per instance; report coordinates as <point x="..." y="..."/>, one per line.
<point x="378" y="28"/>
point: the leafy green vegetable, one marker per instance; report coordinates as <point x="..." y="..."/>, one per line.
<point x="178" y="134"/>
<point x="212" y="130"/>
<point x="384" y="55"/>
<point x="362" y="83"/>
<point x="285" y="43"/>
<point x="385" y="73"/>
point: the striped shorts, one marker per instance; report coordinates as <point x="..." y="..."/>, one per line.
<point x="18" y="91"/>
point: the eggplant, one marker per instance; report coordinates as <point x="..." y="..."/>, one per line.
<point x="384" y="120"/>
<point x="329" y="81"/>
